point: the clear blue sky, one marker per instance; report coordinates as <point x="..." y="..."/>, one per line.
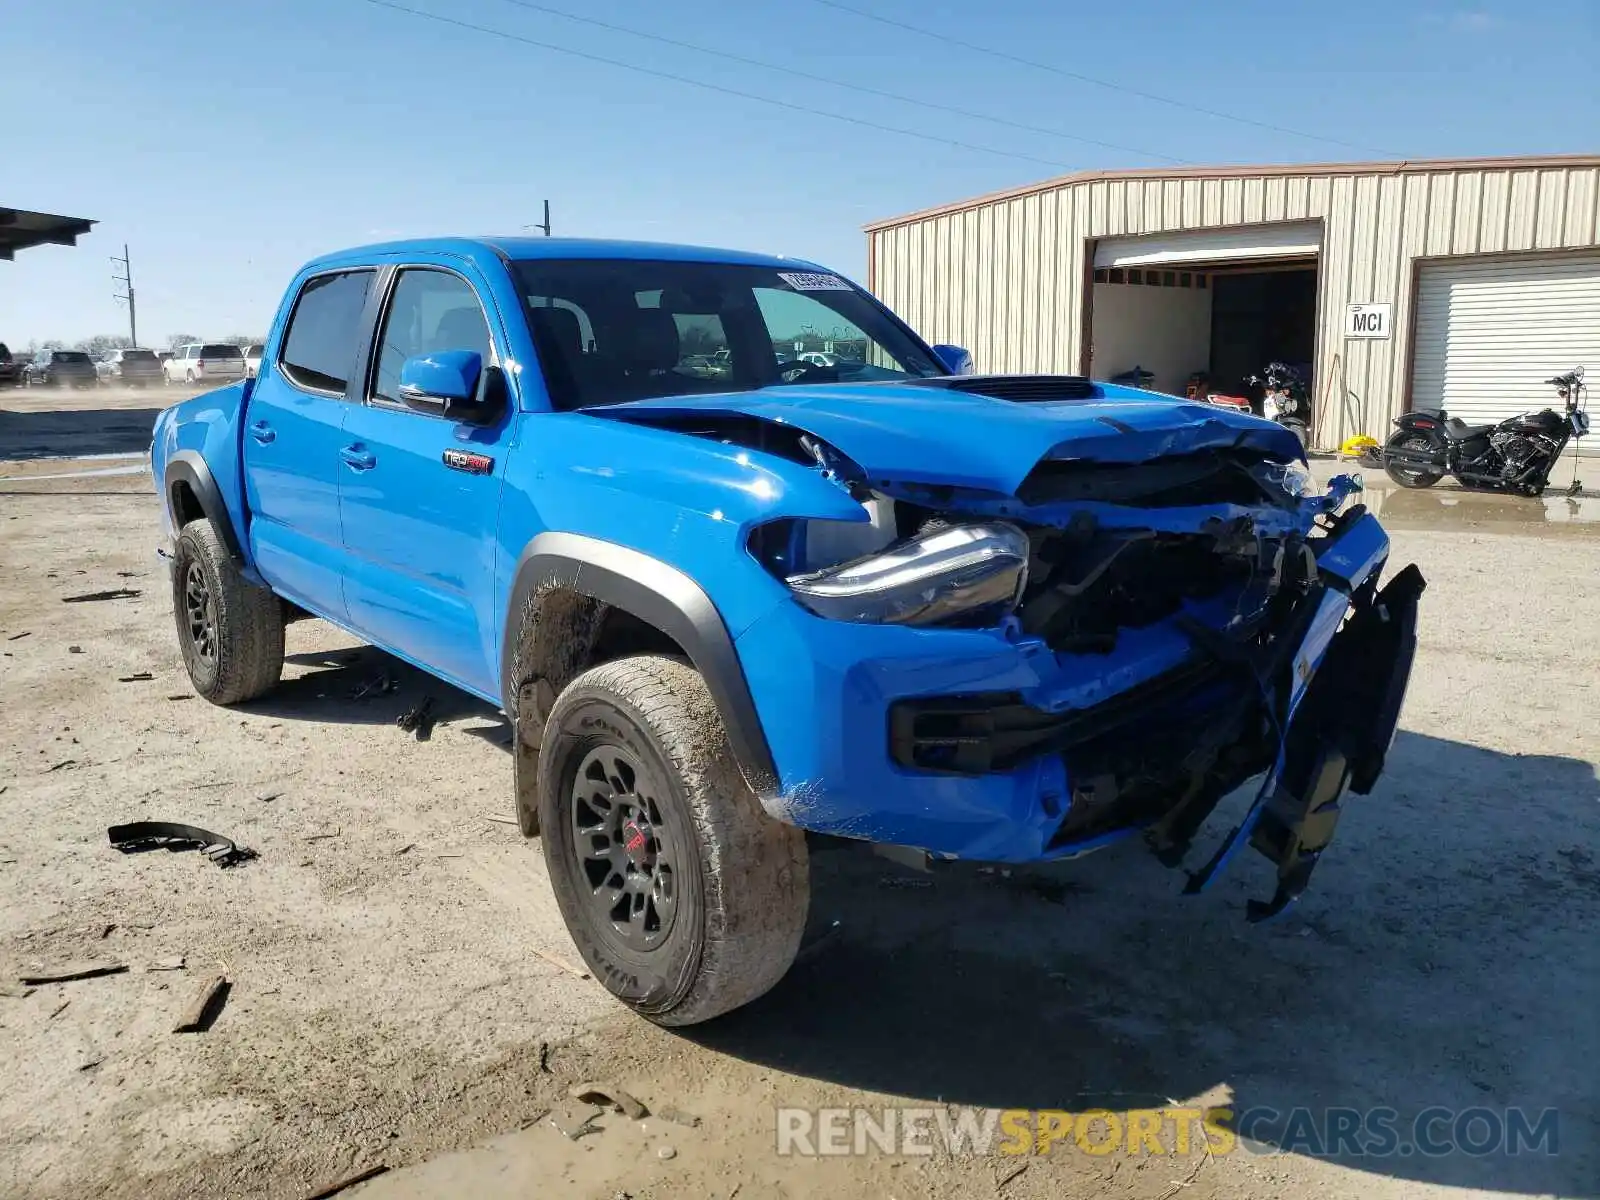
<point x="227" y="142"/>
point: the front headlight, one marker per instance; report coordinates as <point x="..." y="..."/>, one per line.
<point x="944" y="574"/>
<point x="1294" y="480"/>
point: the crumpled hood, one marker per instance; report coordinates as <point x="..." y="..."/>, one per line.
<point x="937" y="435"/>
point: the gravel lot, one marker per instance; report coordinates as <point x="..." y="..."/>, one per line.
<point x="398" y="990"/>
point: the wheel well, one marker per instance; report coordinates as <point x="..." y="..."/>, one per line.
<point x="185" y="505"/>
<point x="564" y="632"/>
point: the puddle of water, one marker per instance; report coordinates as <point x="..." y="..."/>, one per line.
<point x="1441" y="509"/>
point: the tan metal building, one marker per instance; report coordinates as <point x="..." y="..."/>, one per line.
<point x="1460" y="284"/>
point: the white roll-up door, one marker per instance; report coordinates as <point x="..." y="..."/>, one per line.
<point x="1489" y="331"/>
<point x="1236" y="243"/>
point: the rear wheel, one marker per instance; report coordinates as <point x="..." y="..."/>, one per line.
<point x="1410" y="477"/>
<point x="684" y="897"/>
<point x="230" y="630"/>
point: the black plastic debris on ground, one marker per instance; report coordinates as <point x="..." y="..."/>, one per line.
<point x="165" y="835"/>
<point x="379" y="685"/>
<point x="113" y="594"/>
<point x="420" y="720"/>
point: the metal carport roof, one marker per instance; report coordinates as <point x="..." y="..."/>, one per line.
<point x="21" y="230"/>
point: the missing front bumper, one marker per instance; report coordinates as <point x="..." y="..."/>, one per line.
<point x="1337" y="740"/>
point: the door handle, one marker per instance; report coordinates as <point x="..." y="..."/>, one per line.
<point x="262" y="432"/>
<point x="358" y="459"/>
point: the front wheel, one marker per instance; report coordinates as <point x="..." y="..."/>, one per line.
<point x="1410" y="477"/>
<point x="684" y="897"/>
<point x="230" y="630"/>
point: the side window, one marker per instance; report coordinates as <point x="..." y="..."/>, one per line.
<point x="428" y="311"/>
<point x="320" y="347"/>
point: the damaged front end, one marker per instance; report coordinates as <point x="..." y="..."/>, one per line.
<point x="1105" y="648"/>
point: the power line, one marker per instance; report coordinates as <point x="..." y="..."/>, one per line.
<point x="1108" y="84"/>
<point x="717" y="87"/>
<point x="839" y="83"/>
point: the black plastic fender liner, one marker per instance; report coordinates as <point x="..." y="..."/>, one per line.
<point x="187" y="467"/>
<point x="660" y="595"/>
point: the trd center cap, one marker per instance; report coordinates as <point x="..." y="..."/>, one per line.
<point x="636" y="842"/>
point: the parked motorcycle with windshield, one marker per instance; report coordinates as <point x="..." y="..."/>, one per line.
<point x="1285" y="398"/>
<point x="1517" y="455"/>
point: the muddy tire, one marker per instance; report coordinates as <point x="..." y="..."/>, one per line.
<point x="684" y="897"/>
<point x="230" y="630"/>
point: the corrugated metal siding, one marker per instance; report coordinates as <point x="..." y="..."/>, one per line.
<point x="1007" y="279"/>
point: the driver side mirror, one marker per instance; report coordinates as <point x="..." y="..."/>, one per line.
<point x="956" y="360"/>
<point x="453" y="384"/>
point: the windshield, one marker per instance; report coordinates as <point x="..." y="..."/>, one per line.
<point x="611" y="330"/>
<point x="219" y="350"/>
<point x="71" y="356"/>
<point x="138" y="356"/>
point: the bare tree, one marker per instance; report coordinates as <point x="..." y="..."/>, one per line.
<point x="102" y="342"/>
<point x="179" y="339"/>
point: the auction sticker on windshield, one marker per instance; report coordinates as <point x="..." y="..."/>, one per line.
<point x="802" y="282"/>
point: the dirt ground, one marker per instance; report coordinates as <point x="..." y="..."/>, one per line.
<point x="400" y="994"/>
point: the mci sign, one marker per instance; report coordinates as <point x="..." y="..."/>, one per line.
<point x="1367" y="320"/>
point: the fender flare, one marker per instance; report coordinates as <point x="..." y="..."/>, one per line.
<point x="187" y="467"/>
<point x="656" y="593"/>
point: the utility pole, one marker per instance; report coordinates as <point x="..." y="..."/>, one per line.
<point x="546" y="225"/>
<point x="126" y="280"/>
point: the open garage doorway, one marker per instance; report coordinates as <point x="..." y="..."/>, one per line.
<point x="1199" y="314"/>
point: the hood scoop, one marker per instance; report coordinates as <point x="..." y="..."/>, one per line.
<point x="1020" y="389"/>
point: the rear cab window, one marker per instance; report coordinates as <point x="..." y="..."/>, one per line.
<point x="323" y="340"/>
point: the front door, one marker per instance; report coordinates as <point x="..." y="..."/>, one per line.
<point x="292" y="437"/>
<point x="420" y="494"/>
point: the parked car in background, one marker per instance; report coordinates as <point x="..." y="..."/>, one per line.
<point x="822" y="358"/>
<point x="204" y="362"/>
<point x="11" y="368"/>
<point x="252" y="360"/>
<point x="53" y="368"/>
<point x="132" y="366"/>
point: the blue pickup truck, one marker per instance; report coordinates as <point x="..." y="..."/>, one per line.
<point x="731" y="582"/>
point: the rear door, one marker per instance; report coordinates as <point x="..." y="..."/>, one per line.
<point x="420" y="494"/>
<point x="293" y="432"/>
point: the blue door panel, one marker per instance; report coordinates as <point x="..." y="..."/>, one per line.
<point x="291" y="445"/>
<point x="420" y="551"/>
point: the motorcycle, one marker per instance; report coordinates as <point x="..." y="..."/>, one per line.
<point x="1285" y="398"/>
<point x="1515" y="456"/>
